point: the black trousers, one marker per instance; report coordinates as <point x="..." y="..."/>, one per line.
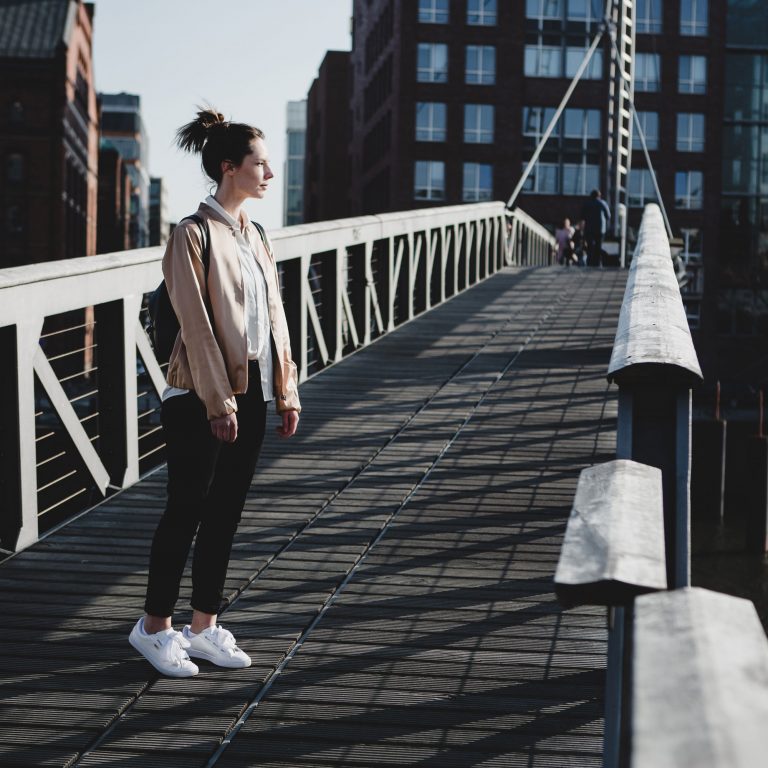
<point x="207" y="485"/>
<point x="593" y="245"/>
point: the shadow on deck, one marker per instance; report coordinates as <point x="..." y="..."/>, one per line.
<point x="391" y="578"/>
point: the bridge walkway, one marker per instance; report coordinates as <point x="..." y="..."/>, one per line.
<point x="391" y="578"/>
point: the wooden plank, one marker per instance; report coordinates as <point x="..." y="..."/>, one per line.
<point x="450" y="621"/>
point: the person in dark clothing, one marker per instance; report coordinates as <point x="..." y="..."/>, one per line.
<point x="595" y="216"/>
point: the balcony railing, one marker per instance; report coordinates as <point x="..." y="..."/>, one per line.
<point x="82" y="386"/>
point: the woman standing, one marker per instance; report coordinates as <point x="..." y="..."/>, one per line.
<point x="231" y="357"/>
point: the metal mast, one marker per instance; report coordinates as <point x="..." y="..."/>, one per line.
<point x="621" y="27"/>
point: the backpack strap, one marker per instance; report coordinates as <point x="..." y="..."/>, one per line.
<point x="205" y="238"/>
<point x="262" y="235"/>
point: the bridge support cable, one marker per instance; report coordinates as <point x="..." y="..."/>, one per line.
<point x="553" y="122"/>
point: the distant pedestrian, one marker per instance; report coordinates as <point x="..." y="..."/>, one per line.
<point x="231" y="357"/>
<point x="564" y="240"/>
<point x="595" y="216"/>
<point x="578" y="245"/>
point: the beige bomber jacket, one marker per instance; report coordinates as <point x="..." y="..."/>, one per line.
<point x="213" y="361"/>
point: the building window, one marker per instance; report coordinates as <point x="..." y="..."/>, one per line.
<point x="433" y="11"/>
<point x="570" y="161"/>
<point x="649" y="122"/>
<point x="689" y="189"/>
<point x="296" y="140"/>
<point x="431" y="121"/>
<point x="647" y="68"/>
<point x="481" y="12"/>
<point x="581" y="124"/>
<point x="14" y="168"/>
<point x="574" y="57"/>
<point x="690" y="132"/>
<point x="481" y="65"/>
<point x="543" y="180"/>
<point x="584" y="10"/>
<point x="640" y="188"/>
<point x="692" y="74"/>
<point x="693" y="17"/>
<point x="544" y="9"/>
<point x="692" y="241"/>
<point x="580" y="179"/>
<point x="543" y="61"/>
<point x="558" y="35"/>
<point x="648" y="17"/>
<point x="478" y="182"/>
<point x="432" y="63"/>
<point x="478" y="123"/>
<point x="535" y="122"/>
<point x="429" y="180"/>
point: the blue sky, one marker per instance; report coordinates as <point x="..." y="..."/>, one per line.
<point x="246" y="57"/>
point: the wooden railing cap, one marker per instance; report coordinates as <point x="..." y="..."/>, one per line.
<point x="700" y="690"/>
<point x="614" y="542"/>
<point x="653" y="331"/>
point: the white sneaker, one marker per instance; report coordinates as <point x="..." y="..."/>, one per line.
<point x="217" y="645"/>
<point x="164" y="650"/>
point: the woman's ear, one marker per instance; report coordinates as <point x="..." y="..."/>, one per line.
<point x="227" y="166"/>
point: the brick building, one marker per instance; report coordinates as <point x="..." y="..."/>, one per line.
<point x="449" y="98"/>
<point x="114" y="209"/>
<point x="326" y="167"/>
<point x="48" y="131"/>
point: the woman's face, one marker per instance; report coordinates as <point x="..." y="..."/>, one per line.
<point x="251" y="177"/>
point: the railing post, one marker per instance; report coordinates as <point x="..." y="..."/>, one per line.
<point x="294" y="272"/>
<point x="19" y="525"/>
<point x="112" y="377"/>
<point x="11" y="517"/>
<point x="655" y="365"/>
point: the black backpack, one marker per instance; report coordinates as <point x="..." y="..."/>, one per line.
<point x="163" y="325"/>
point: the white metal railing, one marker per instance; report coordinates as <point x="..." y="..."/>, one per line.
<point x="81" y="384"/>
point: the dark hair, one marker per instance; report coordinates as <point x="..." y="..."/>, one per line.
<point x="217" y="140"/>
<point x="595" y="193"/>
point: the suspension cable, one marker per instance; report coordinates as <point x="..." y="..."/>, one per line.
<point x="556" y="116"/>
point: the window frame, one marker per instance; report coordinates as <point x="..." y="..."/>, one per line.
<point x="430" y="131"/>
<point x="694" y="26"/>
<point x="648" y="23"/>
<point x="481" y="72"/>
<point x="690" y="85"/>
<point x="647" y="193"/>
<point x="429" y="167"/>
<point x="642" y="116"/>
<point x="481" y="13"/>
<point x="433" y="49"/>
<point x="647" y="58"/>
<point x="430" y="8"/>
<point x="687" y="201"/>
<point x="688" y="142"/>
<point x="477" y="134"/>
<point x="481" y="193"/>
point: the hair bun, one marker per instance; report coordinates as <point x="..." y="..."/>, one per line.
<point x="210" y="118"/>
<point x="192" y="136"/>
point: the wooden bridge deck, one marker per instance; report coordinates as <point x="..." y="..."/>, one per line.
<point x="392" y="577"/>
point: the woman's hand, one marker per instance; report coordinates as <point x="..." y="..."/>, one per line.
<point x="290" y="424"/>
<point x="225" y="428"/>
